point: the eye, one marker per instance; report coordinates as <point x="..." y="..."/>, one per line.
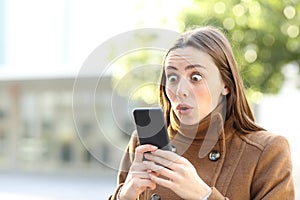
<point x="196" y="77"/>
<point x="172" y="78"/>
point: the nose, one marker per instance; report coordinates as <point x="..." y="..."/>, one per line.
<point x="182" y="89"/>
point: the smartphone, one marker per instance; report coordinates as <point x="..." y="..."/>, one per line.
<point x="151" y="127"/>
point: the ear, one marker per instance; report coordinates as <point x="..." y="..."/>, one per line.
<point x="225" y="90"/>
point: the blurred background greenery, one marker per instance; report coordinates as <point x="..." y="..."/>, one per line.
<point x="264" y="35"/>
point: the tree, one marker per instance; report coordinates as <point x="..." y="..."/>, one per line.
<point x="265" y="36"/>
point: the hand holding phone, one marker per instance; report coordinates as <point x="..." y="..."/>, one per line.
<point x="151" y="128"/>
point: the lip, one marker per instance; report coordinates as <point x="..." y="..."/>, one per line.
<point x="184" y="109"/>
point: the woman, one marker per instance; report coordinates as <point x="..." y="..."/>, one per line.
<point x="220" y="152"/>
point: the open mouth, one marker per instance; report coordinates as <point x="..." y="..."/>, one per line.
<point x="183" y="108"/>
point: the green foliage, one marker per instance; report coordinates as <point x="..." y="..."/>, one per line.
<point x="265" y="36"/>
<point x="136" y="75"/>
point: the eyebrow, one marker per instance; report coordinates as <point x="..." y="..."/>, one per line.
<point x="188" y="67"/>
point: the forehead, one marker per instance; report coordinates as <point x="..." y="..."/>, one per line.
<point x="188" y="56"/>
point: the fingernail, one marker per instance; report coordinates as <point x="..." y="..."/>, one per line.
<point x="146" y="162"/>
<point x="154" y="147"/>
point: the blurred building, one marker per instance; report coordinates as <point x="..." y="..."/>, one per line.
<point x="38" y="131"/>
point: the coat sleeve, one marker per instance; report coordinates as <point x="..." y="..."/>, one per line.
<point x="125" y="164"/>
<point x="273" y="174"/>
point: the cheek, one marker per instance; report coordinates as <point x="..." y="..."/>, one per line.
<point x="170" y="94"/>
<point x="216" y="87"/>
<point x="203" y="97"/>
<point x="215" y="95"/>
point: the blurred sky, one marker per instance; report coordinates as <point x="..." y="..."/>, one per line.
<point x="54" y="37"/>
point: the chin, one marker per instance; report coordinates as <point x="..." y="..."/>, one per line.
<point x="189" y="121"/>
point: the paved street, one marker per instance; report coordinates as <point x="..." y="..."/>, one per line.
<point x="33" y="186"/>
<point x="20" y="186"/>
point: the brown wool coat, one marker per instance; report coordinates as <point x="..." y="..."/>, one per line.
<point x="252" y="166"/>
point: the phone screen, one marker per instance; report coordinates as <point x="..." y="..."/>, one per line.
<point x="151" y="128"/>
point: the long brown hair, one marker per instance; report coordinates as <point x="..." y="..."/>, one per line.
<point x="214" y="43"/>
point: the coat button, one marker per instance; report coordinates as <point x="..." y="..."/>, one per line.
<point x="155" y="197"/>
<point x="173" y="148"/>
<point x="214" y="155"/>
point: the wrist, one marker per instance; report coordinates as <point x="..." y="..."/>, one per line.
<point x="120" y="195"/>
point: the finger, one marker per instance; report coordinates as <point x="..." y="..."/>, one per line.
<point x="168" y="155"/>
<point x="161" y="181"/>
<point x="152" y="167"/>
<point x="140" y="150"/>
<point x="160" y="160"/>
<point x="143" y="184"/>
<point x="154" y="173"/>
<point x="156" y="170"/>
<point x="151" y="184"/>
<point x="137" y="174"/>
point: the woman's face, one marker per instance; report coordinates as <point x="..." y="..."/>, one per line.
<point x="193" y="84"/>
